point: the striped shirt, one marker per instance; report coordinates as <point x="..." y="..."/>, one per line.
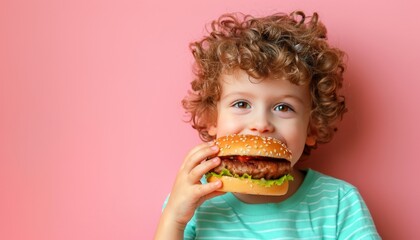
<point x="322" y="208"/>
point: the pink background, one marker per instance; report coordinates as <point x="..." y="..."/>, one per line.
<point x="92" y="131"/>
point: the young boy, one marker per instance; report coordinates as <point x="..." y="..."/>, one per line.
<point x="273" y="76"/>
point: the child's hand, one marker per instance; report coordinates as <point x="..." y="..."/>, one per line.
<point x="188" y="193"/>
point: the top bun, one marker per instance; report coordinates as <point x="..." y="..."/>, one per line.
<point x="252" y="145"/>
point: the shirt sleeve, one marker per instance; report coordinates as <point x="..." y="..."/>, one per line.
<point x="189" y="232"/>
<point x="353" y="218"/>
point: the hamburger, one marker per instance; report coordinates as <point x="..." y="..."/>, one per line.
<point x="252" y="165"/>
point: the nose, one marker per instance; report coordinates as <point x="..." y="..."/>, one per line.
<point x="261" y="124"/>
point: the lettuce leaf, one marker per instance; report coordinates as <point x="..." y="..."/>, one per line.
<point x="262" y="181"/>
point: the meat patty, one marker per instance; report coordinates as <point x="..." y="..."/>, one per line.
<point x="257" y="168"/>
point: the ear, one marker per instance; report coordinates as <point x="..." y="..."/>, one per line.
<point x="212" y="130"/>
<point x="310" y="140"/>
<point x="311" y="137"/>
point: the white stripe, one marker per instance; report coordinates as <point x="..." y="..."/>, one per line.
<point x="281" y="238"/>
<point x="220" y="214"/>
<point x="223" y="230"/>
<point x="312" y="211"/>
<point x="309" y="220"/>
<point x="218" y="208"/>
<point x="347" y="207"/>
<point x="216" y="221"/>
<point x="224" y="237"/>
<point x="367" y="234"/>
<point x="348" y="216"/>
<point x="317" y="202"/>
<point x="307" y="238"/>
<point x="325" y="178"/>
<point x="218" y="202"/>
<point x="359" y="229"/>
<point x="297" y="229"/>
<point x="319" y="193"/>
<point x="358" y="220"/>
<point x="267" y="230"/>
<point x="324" y="184"/>
<point x="348" y="196"/>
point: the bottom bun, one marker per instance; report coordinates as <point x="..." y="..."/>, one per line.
<point x="237" y="185"/>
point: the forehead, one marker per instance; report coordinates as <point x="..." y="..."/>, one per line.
<point x="240" y="82"/>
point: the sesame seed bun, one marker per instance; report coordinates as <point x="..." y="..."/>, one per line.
<point x="262" y="152"/>
<point x="250" y="145"/>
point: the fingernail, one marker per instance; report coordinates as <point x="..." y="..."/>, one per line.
<point x="215" y="147"/>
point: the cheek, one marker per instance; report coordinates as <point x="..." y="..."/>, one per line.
<point x="295" y="137"/>
<point x="228" y="124"/>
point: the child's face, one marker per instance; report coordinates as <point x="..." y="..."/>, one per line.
<point x="275" y="108"/>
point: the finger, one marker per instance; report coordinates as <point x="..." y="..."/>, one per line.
<point x="199" y="147"/>
<point x="202" y="168"/>
<point x="202" y="190"/>
<point x="194" y="150"/>
<point x="211" y="195"/>
<point x="199" y="156"/>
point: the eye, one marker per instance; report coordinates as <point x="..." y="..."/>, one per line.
<point x="241" y="104"/>
<point x="283" y="108"/>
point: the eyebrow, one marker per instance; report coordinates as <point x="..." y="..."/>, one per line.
<point x="251" y="95"/>
<point x="294" y="97"/>
<point x="235" y="93"/>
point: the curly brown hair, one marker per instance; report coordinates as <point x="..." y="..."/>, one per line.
<point x="280" y="45"/>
